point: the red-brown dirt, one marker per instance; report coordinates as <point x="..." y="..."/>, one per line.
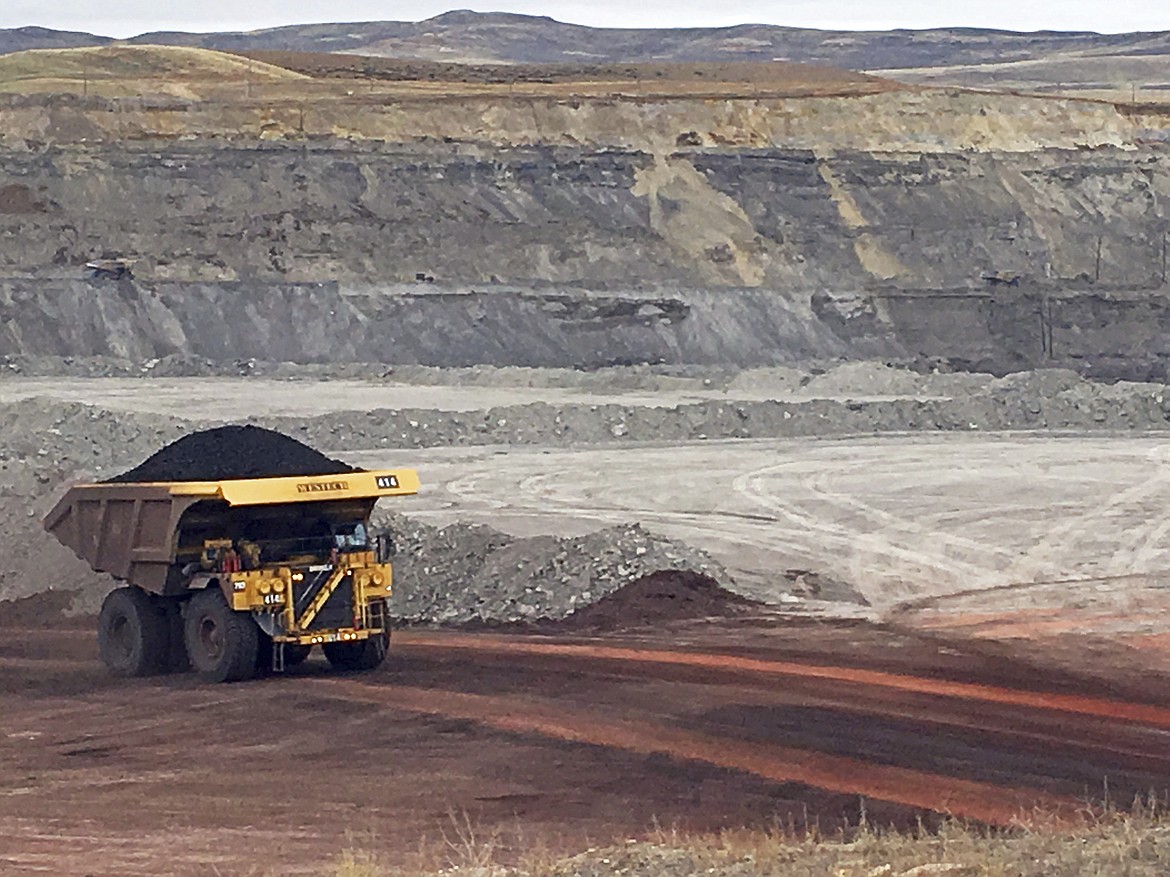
<point x="565" y="742"/>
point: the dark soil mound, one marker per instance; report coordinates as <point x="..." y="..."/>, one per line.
<point x="669" y="595"/>
<point x="230" y="452"/>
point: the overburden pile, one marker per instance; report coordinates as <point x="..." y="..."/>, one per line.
<point x="474" y="574"/>
<point x="657" y="598"/>
<point x="232" y="452"/>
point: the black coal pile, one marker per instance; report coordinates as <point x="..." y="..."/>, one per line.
<point x="232" y="452"/>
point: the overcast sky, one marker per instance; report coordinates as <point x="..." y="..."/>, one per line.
<point x="123" y="18"/>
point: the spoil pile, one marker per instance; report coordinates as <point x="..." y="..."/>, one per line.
<point x="232" y="452"/>
<point x="666" y="595"/>
<point x="1044" y="399"/>
<point x="471" y="573"/>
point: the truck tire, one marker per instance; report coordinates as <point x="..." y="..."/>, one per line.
<point x="132" y="633"/>
<point x="221" y="643"/>
<point x="367" y="654"/>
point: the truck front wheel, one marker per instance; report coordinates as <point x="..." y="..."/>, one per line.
<point x="132" y="633"/>
<point x="221" y="642"/>
<point x="365" y="654"/>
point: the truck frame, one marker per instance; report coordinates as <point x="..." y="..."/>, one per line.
<point x="236" y="577"/>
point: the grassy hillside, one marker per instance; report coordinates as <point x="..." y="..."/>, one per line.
<point x="515" y="39"/>
<point x="675" y="78"/>
<point x="272" y="77"/>
<point x="115" y="71"/>
<point x="1109" y="66"/>
<point x="518" y="39"/>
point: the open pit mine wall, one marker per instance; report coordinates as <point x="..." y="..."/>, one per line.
<point x="1104" y="334"/>
<point x="565" y="255"/>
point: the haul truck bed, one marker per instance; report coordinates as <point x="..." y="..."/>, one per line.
<point x="236" y="576"/>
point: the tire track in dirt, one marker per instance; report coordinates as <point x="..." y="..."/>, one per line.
<point x="981" y="555"/>
<point x="1091" y="738"/>
<point x="1142" y="546"/>
<point x="1033" y="508"/>
<point x="965" y="799"/>
<point x="1142" y="714"/>
<point x="788" y="526"/>
<point x="779" y="544"/>
<point x="1134" y="541"/>
<point x="875" y="547"/>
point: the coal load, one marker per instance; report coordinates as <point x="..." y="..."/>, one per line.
<point x="232" y="452"/>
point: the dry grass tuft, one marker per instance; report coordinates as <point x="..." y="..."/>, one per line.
<point x="358" y="863"/>
<point x="1113" y="844"/>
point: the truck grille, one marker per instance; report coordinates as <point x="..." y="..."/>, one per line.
<point x="338" y="609"/>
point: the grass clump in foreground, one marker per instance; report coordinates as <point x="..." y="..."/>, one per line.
<point x="1135" y="844"/>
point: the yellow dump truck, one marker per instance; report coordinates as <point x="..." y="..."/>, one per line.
<point x="237" y="577"/>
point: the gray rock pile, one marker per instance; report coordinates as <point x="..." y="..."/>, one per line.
<point x="1052" y="399"/>
<point x="57" y="438"/>
<point x="472" y="573"/>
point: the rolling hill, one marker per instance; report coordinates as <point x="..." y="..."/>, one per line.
<point x="117" y="70"/>
<point x="471" y="37"/>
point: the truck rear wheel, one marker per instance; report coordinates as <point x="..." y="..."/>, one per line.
<point x="132" y="633"/>
<point x="221" y="642"/>
<point x="366" y="654"/>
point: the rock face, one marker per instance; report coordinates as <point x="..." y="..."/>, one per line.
<point x="895" y="119"/>
<point x="1107" y="334"/>
<point x="757" y="218"/>
<point x="447" y="255"/>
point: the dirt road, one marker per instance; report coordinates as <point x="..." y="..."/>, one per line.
<point x="556" y="741"/>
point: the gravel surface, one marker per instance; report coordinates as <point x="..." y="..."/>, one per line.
<point x="472" y="573"/>
<point x="847" y="400"/>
